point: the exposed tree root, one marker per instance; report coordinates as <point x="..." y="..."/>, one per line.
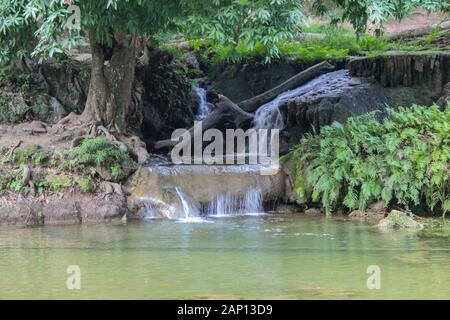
<point x="27" y="181"/>
<point x="13" y="148"/>
<point x="133" y="144"/>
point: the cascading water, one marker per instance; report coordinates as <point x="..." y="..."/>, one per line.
<point x="188" y="192"/>
<point x="268" y="116"/>
<point x="189" y="208"/>
<point x="228" y="204"/>
<point x="204" y="107"/>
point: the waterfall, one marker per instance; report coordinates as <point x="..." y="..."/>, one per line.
<point x="189" y="208"/>
<point x="268" y="116"/>
<point x="228" y="204"/>
<point x="149" y="211"/>
<point x="222" y="205"/>
<point x="204" y="107"/>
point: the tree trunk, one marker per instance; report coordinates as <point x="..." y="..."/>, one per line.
<point x="112" y="76"/>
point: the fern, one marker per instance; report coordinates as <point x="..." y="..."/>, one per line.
<point x="404" y="158"/>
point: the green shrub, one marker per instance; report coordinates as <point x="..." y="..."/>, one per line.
<point x="404" y="158"/>
<point x="94" y="153"/>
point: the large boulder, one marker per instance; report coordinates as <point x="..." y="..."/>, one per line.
<point x="68" y="82"/>
<point x="63" y="208"/>
<point x="335" y="96"/>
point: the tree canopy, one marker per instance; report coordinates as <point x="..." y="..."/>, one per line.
<point x="36" y="26"/>
<point x="40" y="28"/>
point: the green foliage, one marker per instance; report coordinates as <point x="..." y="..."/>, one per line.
<point x="361" y="13"/>
<point x="85" y="184"/>
<point x="29" y="154"/>
<point x="33" y="26"/>
<point x="95" y="153"/>
<point x="405" y="158"/>
<point x="337" y="43"/>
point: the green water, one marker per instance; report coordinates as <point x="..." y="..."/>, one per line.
<point x="263" y="257"/>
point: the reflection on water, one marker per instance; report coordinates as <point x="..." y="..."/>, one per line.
<point x="269" y="257"/>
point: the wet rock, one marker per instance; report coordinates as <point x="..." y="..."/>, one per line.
<point x="445" y="97"/>
<point x="335" y="96"/>
<point x="160" y="187"/>
<point x="64" y="208"/>
<point x="374" y="211"/>
<point x="23" y="212"/>
<point x="287" y="208"/>
<point x="163" y="97"/>
<point x="313" y="211"/>
<point x="299" y="195"/>
<point x="399" y="219"/>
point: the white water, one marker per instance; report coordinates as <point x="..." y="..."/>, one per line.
<point x="250" y="201"/>
<point x="228" y="204"/>
<point x="268" y="116"/>
<point x="204" y="107"/>
<point x="221" y="206"/>
<point x="190" y="209"/>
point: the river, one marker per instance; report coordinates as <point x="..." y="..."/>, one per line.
<point x="283" y="256"/>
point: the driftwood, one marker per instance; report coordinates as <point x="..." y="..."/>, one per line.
<point x="240" y="113"/>
<point x="252" y="104"/>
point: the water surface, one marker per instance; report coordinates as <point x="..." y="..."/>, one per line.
<point x="254" y="257"/>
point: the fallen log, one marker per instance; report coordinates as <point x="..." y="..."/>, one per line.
<point x="225" y="111"/>
<point x="252" y="104"/>
<point x="240" y="113"/>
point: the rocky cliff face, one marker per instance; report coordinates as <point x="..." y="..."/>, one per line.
<point x="335" y="96"/>
<point x="410" y="78"/>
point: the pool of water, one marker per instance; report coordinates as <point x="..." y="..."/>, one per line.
<point x="254" y="257"/>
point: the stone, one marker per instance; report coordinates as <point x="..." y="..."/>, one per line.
<point x="313" y="211"/>
<point x="399" y="219"/>
<point x="445" y="96"/>
<point x="336" y="97"/>
<point x="64" y="208"/>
